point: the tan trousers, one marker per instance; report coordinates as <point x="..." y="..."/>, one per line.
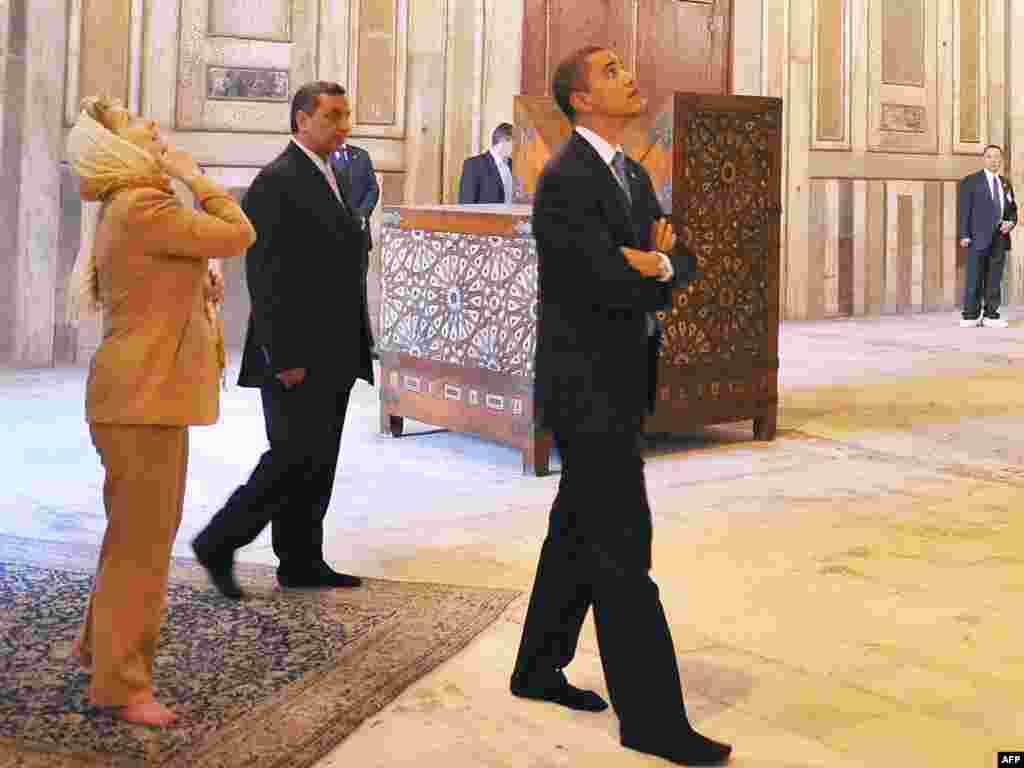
<point x="143" y="495"/>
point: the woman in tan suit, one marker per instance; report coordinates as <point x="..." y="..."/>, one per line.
<point x="146" y="266"/>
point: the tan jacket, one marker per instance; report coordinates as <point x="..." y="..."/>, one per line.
<point x="157" y="363"/>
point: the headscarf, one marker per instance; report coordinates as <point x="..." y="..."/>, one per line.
<point x="105" y="164"/>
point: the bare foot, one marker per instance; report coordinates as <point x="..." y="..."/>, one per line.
<point x="146" y="713"/>
<point x="76" y="654"/>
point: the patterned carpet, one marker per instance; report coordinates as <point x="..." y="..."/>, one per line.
<point x="277" y="680"/>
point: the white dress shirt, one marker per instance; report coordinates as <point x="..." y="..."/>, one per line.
<point x="607" y="153"/>
<point x="506" y="174"/>
<point x="325" y="169"/>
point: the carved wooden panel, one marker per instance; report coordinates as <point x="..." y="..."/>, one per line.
<point x="243" y="81"/>
<point x="719" y="356"/>
<point x="970" y="80"/>
<point x="903" y="87"/>
<point x="377" y="81"/>
<point x="831" y="75"/>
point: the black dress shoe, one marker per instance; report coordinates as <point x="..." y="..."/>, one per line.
<point x="319" y="578"/>
<point x="561" y="692"/>
<point x="689" y="749"/>
<point x="219" y="568"/>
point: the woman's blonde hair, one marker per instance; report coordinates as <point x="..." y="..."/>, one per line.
<point x="108" y="112"/>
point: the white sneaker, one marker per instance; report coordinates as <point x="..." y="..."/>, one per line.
<point x="965" y="323"/>
<point x="994" y="322"/>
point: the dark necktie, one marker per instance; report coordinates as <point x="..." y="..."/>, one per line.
<point x="619" y="166"/>
<point x="995" y="196"/>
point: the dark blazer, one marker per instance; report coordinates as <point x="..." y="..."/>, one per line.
<point x="979" y="215"/>
<point x="481" y="180"/>
<point x="595" y="363"/>
<point x="305" y="277"/>
<point x="361" y="183"/>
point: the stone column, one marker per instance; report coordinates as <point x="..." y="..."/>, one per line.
<point x="30" y="195"/>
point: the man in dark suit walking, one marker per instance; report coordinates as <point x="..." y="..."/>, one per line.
<point x="487" y="177"/>
<point x="308" y="341"/>
<point x="988" y="212"/>
<point x="608" y="260"/>
<point x="355" y="169"/>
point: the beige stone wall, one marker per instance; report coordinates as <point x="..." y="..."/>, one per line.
<point x="428" y="80"/>
<point x="884" y="113"/>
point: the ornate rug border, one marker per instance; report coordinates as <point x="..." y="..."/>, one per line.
<point x="325" y="693"/>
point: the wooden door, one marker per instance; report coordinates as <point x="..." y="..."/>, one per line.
<point x="719" y="357"/>
<point x="670" y="45"/>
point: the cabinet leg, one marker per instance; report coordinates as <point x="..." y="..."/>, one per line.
<point x="537" y="454"/>
<point x="765" y="424"/>
<point x="391" y="425"/>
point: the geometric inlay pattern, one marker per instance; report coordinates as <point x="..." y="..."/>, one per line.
<point x="467" y="300"/>
<point x="722" y="318"/>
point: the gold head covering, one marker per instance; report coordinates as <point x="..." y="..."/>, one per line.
<point x="107" y="164"/>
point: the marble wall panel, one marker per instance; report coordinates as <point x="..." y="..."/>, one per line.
<point x="104" y="57"/>
<point x="377" y="63"/>
<point x="876" y="233"/>
<point x="844" y="253"/>
<point x="748" y="47"/>
<point x="254" y="19"/>
<point x="425" y="111"/>
<point x="903" y="42"/>
<point x="502" y="64"/>
<point x="858" y="259"/>
<point x="31" y="184"/>
<point x="831" y="77"/>
<point x="951" y="296"/>
<point x="934" y="209"/>
<point x="970" y="108"/>
<point x="915" y="267"/>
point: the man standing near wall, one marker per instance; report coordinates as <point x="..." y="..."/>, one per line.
<point x="988" y="212"/>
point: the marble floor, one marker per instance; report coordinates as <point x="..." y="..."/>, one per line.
<point x="847" y="595"/>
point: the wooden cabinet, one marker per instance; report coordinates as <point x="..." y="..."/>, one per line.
<point x="459" y="295"/>
<point x="458" y="325"/>
<point x="719" y="356"/>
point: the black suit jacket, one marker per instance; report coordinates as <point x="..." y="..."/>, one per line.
<point x="481" y="180"/>
<point x="979" y="215"/>
<point x="305" y="277"/>
<point x="361" y="184"/>
<point x="595" y="362"/>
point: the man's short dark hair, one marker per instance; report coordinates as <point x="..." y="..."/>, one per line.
<point x="570" y="76"/>
<point x="991" y="146"/>
<point x="308" y="96"/>
<point x="504" y="132"/>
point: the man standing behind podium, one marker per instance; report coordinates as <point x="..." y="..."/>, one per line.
<point x="487" y="178"/>
<point x="308" y="341"/>
<point x="607" y="262"/>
